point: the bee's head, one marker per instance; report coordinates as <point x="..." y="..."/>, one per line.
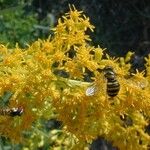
<point x="108" y="69"/>
<point x="108" y="72"/>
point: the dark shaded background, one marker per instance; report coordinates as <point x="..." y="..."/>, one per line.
<point x="120" y="25"/>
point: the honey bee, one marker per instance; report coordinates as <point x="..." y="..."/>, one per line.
<point x="11" y="111"/>
<point x="112" y="85"/>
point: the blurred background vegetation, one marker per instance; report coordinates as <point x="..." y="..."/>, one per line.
<point x="120" y="26"/>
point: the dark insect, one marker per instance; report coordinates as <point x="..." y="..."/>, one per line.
<point x="113" y="85"/>
<point x="127" y="120"/>
<point x="11" y="111"/>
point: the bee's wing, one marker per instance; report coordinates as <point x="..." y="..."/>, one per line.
<point x="90" y="91"/>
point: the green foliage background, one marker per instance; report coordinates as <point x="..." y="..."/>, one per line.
<point x="19" y="23"/>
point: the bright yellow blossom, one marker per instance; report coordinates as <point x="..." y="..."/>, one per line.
<point x="52" y="74"/>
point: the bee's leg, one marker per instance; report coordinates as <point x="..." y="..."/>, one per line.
<point x="111" y="100"/>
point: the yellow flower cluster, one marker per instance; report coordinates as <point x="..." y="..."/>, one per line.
<point x="50" y="76"/>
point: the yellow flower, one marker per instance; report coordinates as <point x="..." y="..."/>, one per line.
<point x="30" y="75"/>
<point x="74" y="14"/>
<point x="47" y="47"/>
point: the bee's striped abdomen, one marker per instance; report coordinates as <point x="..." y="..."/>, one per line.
<point x="113" y="87"/>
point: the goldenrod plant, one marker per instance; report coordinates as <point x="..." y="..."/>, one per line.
<point x="36" y="77"/>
